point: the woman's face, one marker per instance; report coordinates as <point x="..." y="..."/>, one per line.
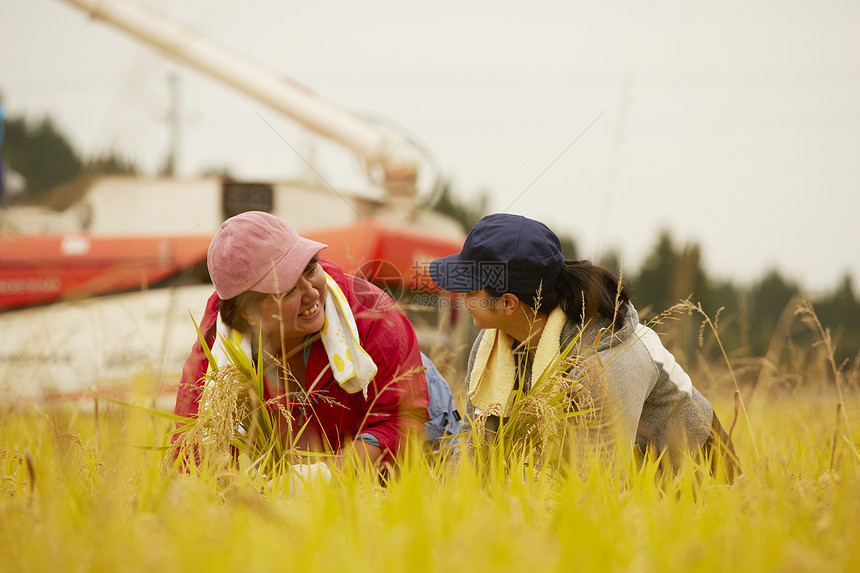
<point x="485" y="310"/>
<point x="295" y="313"/>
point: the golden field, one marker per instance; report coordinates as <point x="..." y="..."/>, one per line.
<point x="86" y="491"/>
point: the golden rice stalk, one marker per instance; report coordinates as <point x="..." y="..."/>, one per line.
<point x="225" y="404"/>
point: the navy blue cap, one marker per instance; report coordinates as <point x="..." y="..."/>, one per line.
<point x="508" y="253"/>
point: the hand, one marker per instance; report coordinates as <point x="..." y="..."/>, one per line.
<point x="358" y="454"/>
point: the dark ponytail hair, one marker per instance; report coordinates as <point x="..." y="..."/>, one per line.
<point x="584" y="291"/>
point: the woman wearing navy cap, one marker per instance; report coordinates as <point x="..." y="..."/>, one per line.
<point x="530" y="302"/>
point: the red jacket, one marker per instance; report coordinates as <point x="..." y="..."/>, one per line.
<point x="396" y="403"/>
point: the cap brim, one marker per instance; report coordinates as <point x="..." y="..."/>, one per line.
<point x="455" y="274"/>
<point x="287" y="271"/>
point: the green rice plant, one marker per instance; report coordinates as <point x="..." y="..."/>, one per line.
<point x="236" y="423"/>
<point x="809" y="316"/>
<point x="78" y="493"/>
<point x="687" y="306"/>
<point x="538" y="421"/>
<point x="790" y="511"/>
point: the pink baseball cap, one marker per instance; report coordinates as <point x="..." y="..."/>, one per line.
<point x="257" y="251"/>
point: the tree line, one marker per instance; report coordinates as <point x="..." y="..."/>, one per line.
<point x="748" y="315"/>
<point x="45" y="157"/>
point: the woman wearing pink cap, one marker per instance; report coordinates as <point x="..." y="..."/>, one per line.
<point x="336" y="349"/>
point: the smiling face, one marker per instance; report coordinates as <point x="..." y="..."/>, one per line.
<point x="293" y="314"/>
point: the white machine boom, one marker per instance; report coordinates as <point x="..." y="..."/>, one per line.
<point x="380" y="149"/>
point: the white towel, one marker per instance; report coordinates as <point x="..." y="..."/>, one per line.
<point x="495" y="371"/>
<point x="351" y="365"/>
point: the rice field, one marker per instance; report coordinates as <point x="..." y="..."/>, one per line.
<point x="86" y="491"/>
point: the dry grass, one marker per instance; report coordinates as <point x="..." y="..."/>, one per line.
<point x="82" y="493"/>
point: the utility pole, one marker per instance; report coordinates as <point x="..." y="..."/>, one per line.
<point x="174" y="120"/>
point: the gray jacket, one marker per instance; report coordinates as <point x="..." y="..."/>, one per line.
<point x="640" y="393"/>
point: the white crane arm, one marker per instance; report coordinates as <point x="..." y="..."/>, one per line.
<point x="398" y="159"/>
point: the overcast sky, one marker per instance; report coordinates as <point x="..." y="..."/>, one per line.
<point x="734" y="124"/>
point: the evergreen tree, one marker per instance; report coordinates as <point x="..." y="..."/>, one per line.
<point x="767" y="300"/>
<point x="568" y="246"/>
<point x="467" y="214"/>
<point x="41" y="154"/>
<point x="612" y="261"/>
<point x="46" y="159"/>
<point x="111" y="164"/>
<point x="653" y="287"/>
<point x="840" y="312"/>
